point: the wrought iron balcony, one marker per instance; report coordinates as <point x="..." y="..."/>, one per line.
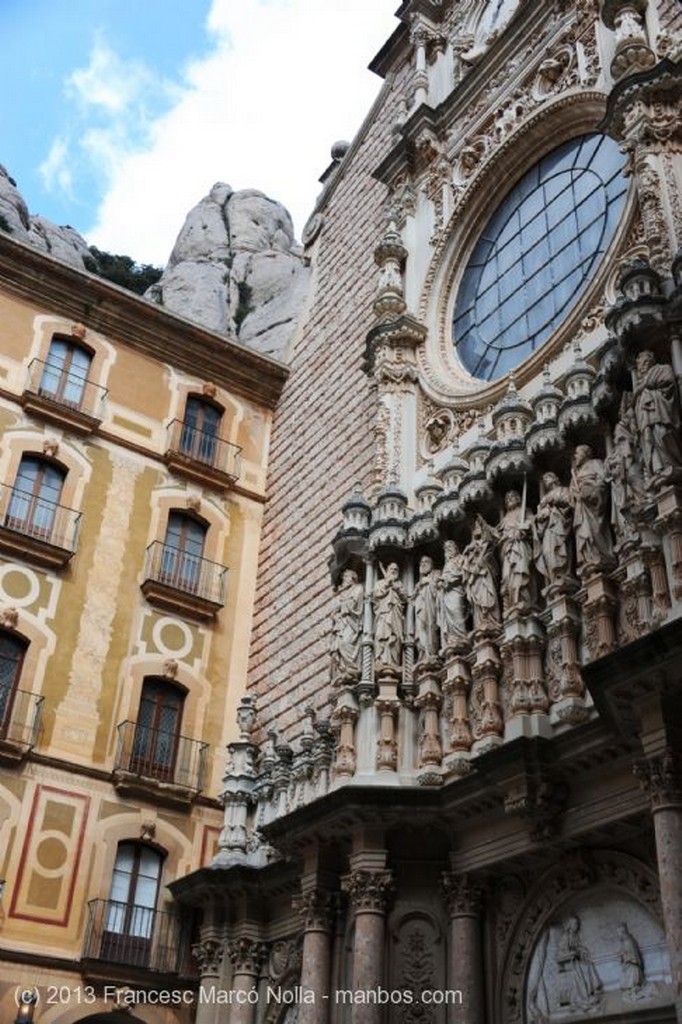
<point x="154" y="759"/>
<point x="128" y="935"/>
<point x="31" y="526"/>
<point x="64" y="397"/>
<point x="182" y="582"/>
<point x="20" y="716"/>
<point x="201" y="454"/>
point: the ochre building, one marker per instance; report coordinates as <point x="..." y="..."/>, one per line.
<point x="133" y="456"/>
<point x="456" y="793"/>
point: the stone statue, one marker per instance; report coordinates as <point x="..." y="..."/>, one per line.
<point x="347" y="629"/>
<point x="426" y="595"/>
<point x="516" y="555"/>
<point x="590" y="493"/>
<point x="632" y="977"/>
<point x="552" y="534"/>
<point x="579" y="983"/>
<point x="657" y="416"/>
<point x="624" y="472"/>
<point x="480" y="565"/>
<point x="389" y="600"/>
<point x="452" y="610"/>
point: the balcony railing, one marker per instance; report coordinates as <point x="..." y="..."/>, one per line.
<point x="65" y="396"/>
<point x="128" y="935"/>
<point x="201" y="453"/>
<point x="161" y="757"/>
<point x="177" y="578"/>
<point x="31" y="524"/>
<point x="20" y="715"/>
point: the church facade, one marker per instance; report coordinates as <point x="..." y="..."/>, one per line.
<point x="456" y="795"/>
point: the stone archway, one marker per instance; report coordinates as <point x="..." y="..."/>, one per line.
<point x="588" y="942"/>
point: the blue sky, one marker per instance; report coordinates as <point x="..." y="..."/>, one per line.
<point x="118" y="115"/>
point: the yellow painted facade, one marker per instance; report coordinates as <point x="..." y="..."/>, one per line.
<point x="127" y="588"/>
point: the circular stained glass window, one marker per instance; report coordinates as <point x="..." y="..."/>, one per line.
<point x="537" y="254"/>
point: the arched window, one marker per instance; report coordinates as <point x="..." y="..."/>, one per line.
<point x="200" y="428"/>
<point x="12" y="651"/>
<point x="65" y="372"/>
<point x="34" y="504"/>
<point x="183" y="551"/>
<point x="157" y="731"/>
<point x="131" y="907"/>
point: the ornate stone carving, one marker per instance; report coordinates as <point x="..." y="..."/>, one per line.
<point x="316" y="908"/>
<point x="9" y="618"/>
<point x="657" y="417"/>
<point x="580" y="984"/>
<point x="452" y="607"/>
<point x="553" y="536"/>
<point x="346" y="629"/>
<point x="389" y="600"/>
<point x="209" y="955"/>
<point x="516" y="555"/>
<point x="661" y="778"/>
<point x="632" y="976"/>
<point x="589" y="492"/>
<point x="79" y="331"/>
<point x="482" y="574"/>
<point x="247" y="955"/>
<point x="463" y="895"/>
<point x="51" y="447"/>
<point x="343" y="719"/>
<point x="368" y="891"/>
<point x="426" y="602"/>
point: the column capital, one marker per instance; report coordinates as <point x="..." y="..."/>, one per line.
<point x="660" y="776"/>
<point x="247" y="955"/>
<point x="209" y="953"/>
<point x="316" y="908"/>
<point x="463" y="895"/>
<point x="368" y="890"/>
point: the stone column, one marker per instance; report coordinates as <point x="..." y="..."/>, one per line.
<point x="316" y="908"/>
<point x="661" y="776"/>
<point x="208" y="953"/>
<point x="368" y="892"/>
<point x="247" y="956"/>
<point x="465" y="960"/>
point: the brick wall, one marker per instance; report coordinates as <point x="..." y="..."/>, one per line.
<point x="322" y="443"/>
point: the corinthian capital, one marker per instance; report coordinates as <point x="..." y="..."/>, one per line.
<point x="209" y="955"/>
<point x="369" y="890"/>
<point x="247" y="955"/>
<point x="661" y="777"/>
<point x="463" y="895"/>
<point x="316" y="908"/>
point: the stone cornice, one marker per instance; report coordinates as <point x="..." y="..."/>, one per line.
<point x="137" y="323"/>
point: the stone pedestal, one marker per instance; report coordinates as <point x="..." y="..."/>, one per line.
<point x="484" y="705"/>
<point x="429" y="702"/>
<point x="599" y="605"/>
<point x="368" y="892"/>
<point x="465" y="957"/>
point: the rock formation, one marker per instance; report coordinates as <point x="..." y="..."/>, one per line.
<point x="63" y="243"/>
<point x="237" y="269"/>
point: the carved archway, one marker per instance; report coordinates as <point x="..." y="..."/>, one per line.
<point x="592" y="878"/>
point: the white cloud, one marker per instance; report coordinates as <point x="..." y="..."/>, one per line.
<point x="55" y="170"/>
<point x="284" y="80"/>
<point x="109" y="82"/>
